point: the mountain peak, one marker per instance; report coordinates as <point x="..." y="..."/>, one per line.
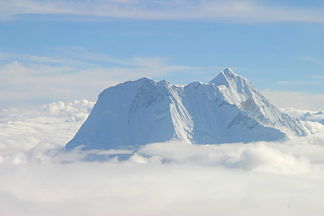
<point x="228" y="109"/>
<point x="225" y="77"/>
<point x="229" y="72"/>
<point x="233" y="81"/>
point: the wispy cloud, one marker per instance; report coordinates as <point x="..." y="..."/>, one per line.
<point x="312" y="60"/>
<point x="298" y="82"/>
<point x="318" y="77"/>
<point x="312" y="80"/>
<point x="232" y="10"/>
<point x="302" y="100"/>
<point x="74" y="75"/>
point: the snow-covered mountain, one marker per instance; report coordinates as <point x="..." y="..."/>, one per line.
<point x="227" y="109"/>
<point x="314" y="117"/>
<point x="305" y="115"/>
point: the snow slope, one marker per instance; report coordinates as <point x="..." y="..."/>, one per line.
<point x="225" y="110"/>
<point x="305" y="115"/>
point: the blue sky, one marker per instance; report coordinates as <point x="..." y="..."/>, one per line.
<point x="66" y="50"/>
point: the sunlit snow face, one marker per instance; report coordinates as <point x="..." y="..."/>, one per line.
<point x="283" y="178"/>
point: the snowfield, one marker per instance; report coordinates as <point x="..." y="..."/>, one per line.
<point x="38" y="178"/>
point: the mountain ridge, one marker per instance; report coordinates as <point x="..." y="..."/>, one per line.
<point x="226" y="109"/>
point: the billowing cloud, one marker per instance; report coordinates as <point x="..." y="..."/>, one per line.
<point x="26" y="134"/>
<point x="159" y="179"/>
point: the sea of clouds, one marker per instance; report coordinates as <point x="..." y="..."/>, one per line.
<point x="37" y="177"/>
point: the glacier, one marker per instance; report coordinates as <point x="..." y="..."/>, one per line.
<point x="227" y="109"/>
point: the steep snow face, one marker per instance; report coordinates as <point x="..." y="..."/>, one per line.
<point x="128" y="115"/>
<point x="241" y="92"/>
<point x="227" y="109"/>
<point x="218" y="121"/>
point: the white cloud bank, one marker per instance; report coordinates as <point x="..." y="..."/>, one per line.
<point x="26" y="134"/>
<point x="177" y="179"/>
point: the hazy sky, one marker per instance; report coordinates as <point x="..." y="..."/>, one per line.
<point x="65" y="50"/>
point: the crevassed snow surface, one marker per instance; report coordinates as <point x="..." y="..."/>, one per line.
<point x="225" y="110"/>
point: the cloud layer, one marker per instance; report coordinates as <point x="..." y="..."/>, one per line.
<point x="160" y="179"/>
<point x="27" y="134"/>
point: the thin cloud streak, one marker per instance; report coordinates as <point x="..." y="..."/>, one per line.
<point x="76" y="74"/>
<point x="217" y="10"/>
<point x="312" y="60"/>
<point x="301" y="100"/>
<point x="298" y="82"/>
